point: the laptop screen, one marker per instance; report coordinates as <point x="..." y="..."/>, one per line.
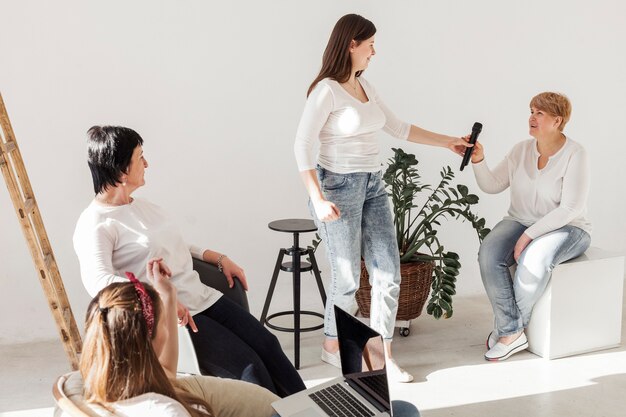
<point x="362" y="357"/>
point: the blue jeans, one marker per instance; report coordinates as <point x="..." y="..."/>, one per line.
<point x="513" y="298"/>
<point x="365" y="228"/>
<point x="399" y="409"/>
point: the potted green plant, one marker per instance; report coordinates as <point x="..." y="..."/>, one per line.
<point x="416" y="232"/>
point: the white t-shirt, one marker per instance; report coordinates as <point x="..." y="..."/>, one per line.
<point x="542" y="199"/>
<point x="110" y="241"/>
<point x="149" y="404"/>
<point x="345" y="127"/>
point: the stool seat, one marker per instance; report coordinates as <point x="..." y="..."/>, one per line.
<point x="293" y="225"/>
<point x="296" y="267"/>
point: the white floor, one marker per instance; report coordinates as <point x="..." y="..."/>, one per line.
<point x="451" y="376"/>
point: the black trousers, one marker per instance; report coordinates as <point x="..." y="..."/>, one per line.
<point x="231" y="343"/>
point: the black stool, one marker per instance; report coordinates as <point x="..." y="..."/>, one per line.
<point x="295" y="226"/>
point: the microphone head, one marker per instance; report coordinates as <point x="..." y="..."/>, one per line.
<point x="477" y="127"/>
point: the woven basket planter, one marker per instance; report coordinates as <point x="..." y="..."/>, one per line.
<point x="414" y="289"/>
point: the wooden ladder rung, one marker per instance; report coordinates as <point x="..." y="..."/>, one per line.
<point x="48" y="260"/>
<point x="9" y="147"/>
<point x="29" y="205"/>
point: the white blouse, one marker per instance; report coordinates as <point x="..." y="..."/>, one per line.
<point x="542" y="199"/>
<point x="110" y="241"/>
<point x="346" y="129"/>
<point x="149" y="404"/>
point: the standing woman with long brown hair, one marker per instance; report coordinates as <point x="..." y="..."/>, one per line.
<point x="130" y="354"/>
<point x="347" y="195"/>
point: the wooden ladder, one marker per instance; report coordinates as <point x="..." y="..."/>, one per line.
<point x="28" y="214"/>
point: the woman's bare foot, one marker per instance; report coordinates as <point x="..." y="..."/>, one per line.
<point x="330" y="345"/>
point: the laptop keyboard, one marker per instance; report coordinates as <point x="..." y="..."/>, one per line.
<point x="338" y="401"/>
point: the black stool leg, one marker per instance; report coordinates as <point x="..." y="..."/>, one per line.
<point x="296" y="299"/>
<point x="318" y="278"/>
<point x="270" y="291"/>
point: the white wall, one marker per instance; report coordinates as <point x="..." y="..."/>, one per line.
<point x="216" y="90"/>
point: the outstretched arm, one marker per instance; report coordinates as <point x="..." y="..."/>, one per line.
<point x="165" y="342"/>
<point x="426" y="137"/>
<point x="402" y="130"/>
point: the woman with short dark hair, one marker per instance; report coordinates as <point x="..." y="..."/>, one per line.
<point x="118" y="233"/>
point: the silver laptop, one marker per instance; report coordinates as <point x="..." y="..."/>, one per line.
<point x="363" y="390"/>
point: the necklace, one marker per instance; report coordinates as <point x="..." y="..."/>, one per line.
<point x="354" y="86"/>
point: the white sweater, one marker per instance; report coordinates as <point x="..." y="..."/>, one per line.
<point x="150" y="404"/>
<point x="345" y="127"/>
<point x="110" y="241"/>
<point x="546" y="199"/>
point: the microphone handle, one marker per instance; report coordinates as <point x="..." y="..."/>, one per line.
<point x="468" y="151"/>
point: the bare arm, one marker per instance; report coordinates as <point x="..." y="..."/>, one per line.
<point x="324" y="209"/>
<point x="426" y="137"/>
<point x="229" y="267"/>
<point x="165" y="342"/>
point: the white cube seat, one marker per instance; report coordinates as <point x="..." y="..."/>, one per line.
<point x="581" y="308"/>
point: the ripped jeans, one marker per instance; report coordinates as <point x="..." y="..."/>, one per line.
<point x="365" y="228"/>
<point x="513" y="298"/>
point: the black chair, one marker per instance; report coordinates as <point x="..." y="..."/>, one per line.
<point x="212" y="277"/>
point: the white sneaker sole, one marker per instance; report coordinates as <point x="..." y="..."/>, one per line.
<point x="491" y="341"/>
<point x="513" y="351"/>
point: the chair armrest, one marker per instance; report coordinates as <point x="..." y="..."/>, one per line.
<point x="212" y="277"/>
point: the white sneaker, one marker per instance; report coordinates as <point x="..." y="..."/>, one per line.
<point x="500" y="351"/>
<point x="395" y="373"/>
<point x="333" y="359"/>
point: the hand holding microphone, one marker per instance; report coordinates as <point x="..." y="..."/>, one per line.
<point x="476" y="129"/>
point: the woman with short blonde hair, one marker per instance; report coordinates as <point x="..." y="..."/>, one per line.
<point x="546" y="224"/>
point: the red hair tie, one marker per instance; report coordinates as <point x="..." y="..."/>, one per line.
<point x="146" y="302"/>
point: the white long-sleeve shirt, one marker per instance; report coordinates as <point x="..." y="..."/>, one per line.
<point x="542" y="199"/>
<point x="346" y="129"/>
<point x="150" y="404"/>
<point x="110" y="241"/>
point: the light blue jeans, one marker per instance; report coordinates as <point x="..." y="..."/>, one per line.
<point x="513" y="298"/>
<point x="365" y="228"/>
<point x="399" y="409"/>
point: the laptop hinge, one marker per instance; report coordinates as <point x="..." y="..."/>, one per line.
<point x="376" y="403"/>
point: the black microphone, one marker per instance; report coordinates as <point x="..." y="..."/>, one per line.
<point x="476" y="129"/>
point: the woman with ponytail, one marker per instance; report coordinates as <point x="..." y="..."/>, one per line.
<point x="130" y="353"/>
